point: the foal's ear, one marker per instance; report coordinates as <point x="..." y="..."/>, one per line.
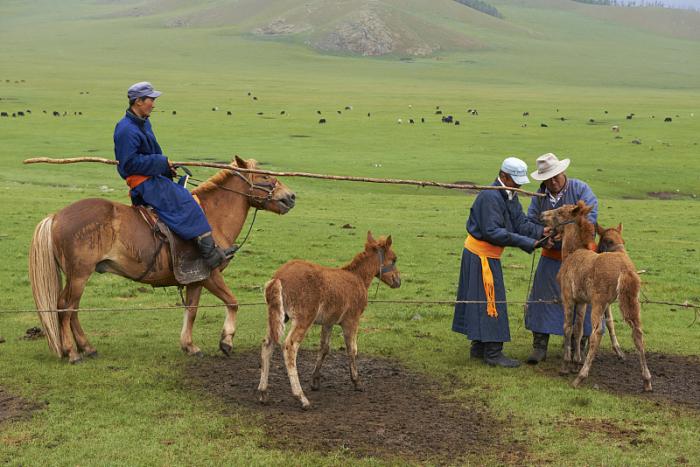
<point x="240" y="162"/>
<point x="619" y="227"/>
<point x="599" y="230"/>
<point x="370" y="238"/>
<point x="387" y="243"/>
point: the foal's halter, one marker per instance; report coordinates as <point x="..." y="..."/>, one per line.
<point x="383" y="269"/>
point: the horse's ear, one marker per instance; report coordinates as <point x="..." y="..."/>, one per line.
<point x="619" y="227"/>
<point x="599" y="230"/>
<point x="240" y="162"/>
<point x="370" y="238"/>
<point x="388" y="242"/>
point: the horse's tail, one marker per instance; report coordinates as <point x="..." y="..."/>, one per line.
<point x="628" y="286"/>
<point x="275" y="310"/>
<point x="45" y="276"/>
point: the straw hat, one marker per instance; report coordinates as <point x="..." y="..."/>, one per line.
<point x="548" y="166"/>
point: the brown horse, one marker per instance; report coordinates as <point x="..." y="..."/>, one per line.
<point x="100" y="235"/>
<point x="311" y="294"/>
<point x="596" y="278"/>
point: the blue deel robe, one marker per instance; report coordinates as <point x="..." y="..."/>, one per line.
<point x="548" y="318"/>
<point x="497" y="220"/>
<point x="138" y="153"/>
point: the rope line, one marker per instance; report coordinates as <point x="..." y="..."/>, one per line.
<point x="401" y="302"/>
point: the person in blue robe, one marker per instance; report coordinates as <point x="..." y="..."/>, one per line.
<point x="496" y="220"/>
<point x="544" y="319"/>
<point x="150" y="174"/>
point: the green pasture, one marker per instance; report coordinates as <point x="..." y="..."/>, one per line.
<point x="130" y="406"/>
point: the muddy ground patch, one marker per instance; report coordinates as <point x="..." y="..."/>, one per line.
<point x="13" y="407"/>
<point x="675" y="378"/>
<point x="401" y="415"/>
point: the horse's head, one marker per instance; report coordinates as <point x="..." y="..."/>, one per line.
<point x="265" y="191"/>
<point x="567" y="214"/>
<point x="610" y="239"/>
<point x="386" y="270"/>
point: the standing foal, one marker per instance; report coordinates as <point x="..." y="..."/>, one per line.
<point x="596" y="278"/>
<point x="309" y="294"/>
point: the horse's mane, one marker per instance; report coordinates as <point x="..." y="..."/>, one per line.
<point x="213" y="182"/>
<point x="356" y="262"/>
<point x="219" y="178"/>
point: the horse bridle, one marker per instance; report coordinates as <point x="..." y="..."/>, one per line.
<point x="267" y="187"/>
<point x="383" y="269"/>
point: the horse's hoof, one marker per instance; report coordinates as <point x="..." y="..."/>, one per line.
<point x="263" y="397"/>
<point x="76" y="361"/>
<point x="576" y="382"/>
<point x="305" y="405"/>
<point x="647" y="386"/>
<point x="92" y="354"/>
<point x="225" y="348"/>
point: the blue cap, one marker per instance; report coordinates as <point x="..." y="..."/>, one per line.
<point x="142" y="89"/>
<point x="517" y="169"/>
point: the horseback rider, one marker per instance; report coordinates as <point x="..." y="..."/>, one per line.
<point x="150" y="174"/>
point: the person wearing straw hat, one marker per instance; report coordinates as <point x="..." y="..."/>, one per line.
<point x="149" y="175"/>
<point x="544" y="319"/>
<point x="496" y="220"/>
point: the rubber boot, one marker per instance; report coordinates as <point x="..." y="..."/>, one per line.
<point x="477" y="350"/>
<point x="212" y="254"/>
<point x="584" y="345"/>
<point x="539" y="348"/>
<point x="493" y="356"/>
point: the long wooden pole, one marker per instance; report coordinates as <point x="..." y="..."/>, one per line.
<point x="459" y="186"/>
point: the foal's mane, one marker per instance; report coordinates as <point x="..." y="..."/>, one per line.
<point x="357" y="262"/>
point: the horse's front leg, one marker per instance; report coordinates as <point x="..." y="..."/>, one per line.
<point x="216" y="285"/>
<point x="192" y="294"/>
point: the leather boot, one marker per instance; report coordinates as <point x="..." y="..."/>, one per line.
<point x="539" y="348"/>
<point x="211" y="253"/>
<point x="493" y="356"/>
<point x="477" y="350"/>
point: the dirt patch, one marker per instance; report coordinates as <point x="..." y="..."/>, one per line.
<point x="14" y="408"/>
<point x="675" y="378"/>
<point x="613" y="433"/>
<point x="401" y="415"/>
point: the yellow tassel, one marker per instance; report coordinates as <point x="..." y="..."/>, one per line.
<point x="489" y="287"/>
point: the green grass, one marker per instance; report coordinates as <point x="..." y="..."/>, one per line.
<point x="130" y="406"/>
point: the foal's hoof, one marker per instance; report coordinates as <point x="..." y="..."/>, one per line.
<point x="263" y="397"/>
<point x="305" y="405"/>
<point x="647" y="386"/>
<point x="76" y="361"/>
<point x="225" y="348"/>
<point x="91" y="354"/>
<point x="576" y="382"/>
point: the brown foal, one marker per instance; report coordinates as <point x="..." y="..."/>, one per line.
<point x="596" y="278"/>
<point x="308" y="294"/>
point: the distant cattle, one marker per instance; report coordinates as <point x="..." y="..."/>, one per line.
<point x="80" y="113"/>
<point x="4" y="114"/>
<point x="56" y="114"/>
<point x="318" y="112"/>
<point x="339" y="112"/>
<point x="526" y="114"/>
<point x="260" y="113"/>
<point x="29" y="111"/>
<point x="411" y="121"/>
<point x="14" y="115"/>
<point x="249" y="93"/>
<point x="20" y="114"/>
<point x="437" y="107"/>
<point x="422" y="120"/>
<point x="590" y="120"/>
<point x="228" y="112"/>
<point x="438" y="112"/>
<point x="616" y="129"/>
<point x="668" y="119"/>
<point x="544" y="125"/>
<point x="323" y="120"/>
<point x="456" y="122"/>
<point x="563" y="119"/>
<point x="214" y="109"/>
<point x="636" y="141"/>
<point x="348" y="107"/>
<point x="255" y="98"/>
<point x="282" y="112"/>
<point x="369" y="114"/>
<point x="447" y="119"/>
<point x="399" y="121"/>
<point x="473" y="111"/>
<point x="174" y="112"/>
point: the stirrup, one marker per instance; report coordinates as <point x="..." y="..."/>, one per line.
<point x="230" y="251"/>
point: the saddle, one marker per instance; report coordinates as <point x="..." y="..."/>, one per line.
<point x="188" y="265"/>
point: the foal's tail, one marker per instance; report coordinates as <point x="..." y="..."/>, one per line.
<point x="45" y="276"/>
<point x="628" y="288"/>
<point x="275" y="310"/>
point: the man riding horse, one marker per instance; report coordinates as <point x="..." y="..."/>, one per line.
<point x="149" y="175"/>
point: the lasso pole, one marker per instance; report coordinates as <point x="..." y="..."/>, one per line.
<point x="458" y="186"/>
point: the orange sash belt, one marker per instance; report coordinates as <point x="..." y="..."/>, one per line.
<point x="484" y="251"/>
<point x="135" y="180"/>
